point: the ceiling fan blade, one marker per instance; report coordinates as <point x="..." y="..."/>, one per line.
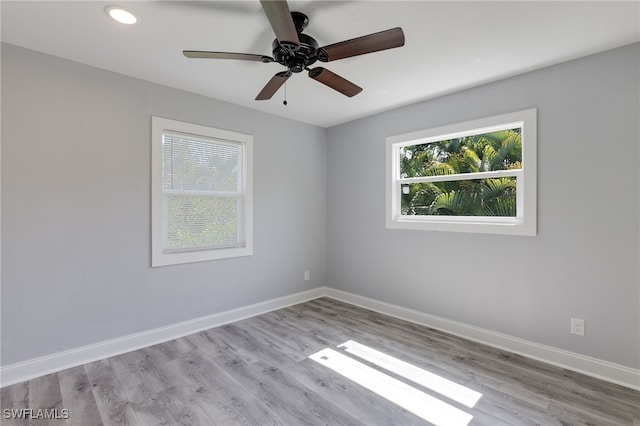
<point x="334" y="81"/>
<point x="359" y="46"/>
<point x="226" y="55"/>
<point x="279" y="16"/>
<point x="273" y="85"/>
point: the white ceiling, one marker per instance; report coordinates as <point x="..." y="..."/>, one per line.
<point x="449" y="46"/>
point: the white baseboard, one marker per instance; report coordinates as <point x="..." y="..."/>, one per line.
<point x="26" y="370"/>
<point x="594" y="367"/>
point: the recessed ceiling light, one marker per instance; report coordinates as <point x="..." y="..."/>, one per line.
<point x="121" y="15"/>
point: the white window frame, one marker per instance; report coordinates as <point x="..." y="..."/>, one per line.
<point x="525" y="222"/>
<point x="162" y="257"/>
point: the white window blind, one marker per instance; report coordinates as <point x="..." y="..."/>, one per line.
<point x="202" y="186"/>
<point x="201" y="193"/>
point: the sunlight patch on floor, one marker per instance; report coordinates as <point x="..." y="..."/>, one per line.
<point x="444" y="387"/>
<point x="406" y="396"/>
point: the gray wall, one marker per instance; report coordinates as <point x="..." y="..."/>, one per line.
<point x="584" y="261"/>
<point x="76" y="208"/>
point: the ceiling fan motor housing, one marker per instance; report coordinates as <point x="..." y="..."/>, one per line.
<point x="300" y="57"/>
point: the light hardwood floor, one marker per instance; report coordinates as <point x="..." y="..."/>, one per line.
<point x="257" y="372"/>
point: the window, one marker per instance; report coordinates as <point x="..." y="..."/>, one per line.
<point x="201" y="193"/>
<point x="478" y="176"/>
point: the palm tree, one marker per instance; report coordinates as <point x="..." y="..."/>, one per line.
<point x="495" y="196"/>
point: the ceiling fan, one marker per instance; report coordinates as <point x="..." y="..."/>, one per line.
<point x="298" y="51"/>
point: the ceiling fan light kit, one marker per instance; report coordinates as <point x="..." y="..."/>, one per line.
<point x="297" y="51"/>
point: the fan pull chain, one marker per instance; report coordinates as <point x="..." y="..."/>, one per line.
<point x="285" y="95"/>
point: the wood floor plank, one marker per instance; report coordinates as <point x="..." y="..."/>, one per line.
<point x="78" y="398"/>
<point x="232" y="341"/>
<point x="512" y="408"/>
<point x="149" y="409"/>
<point x="44" y="394"/>
<point x="351" y="397"/>
<point x="257" y="371"/>
<point x="293" y="402"/>
<point x="112" y="402"/>
<point x="170" y="350"/>
<point x="141" y="367"/>
<point x="193" y="389"/>
<point x="626" y="399"/>
<point x="303" y="342"/>
<point x="221" y="397"/>
<point x="205" y="342"/>
<point x="296" y="317"/>
<point x="271" y="341"/>
<point x="422" y="357"/>
<point x="182" y="409"/>
<point x="14" y="398"/>
<point x="577" y="416"/>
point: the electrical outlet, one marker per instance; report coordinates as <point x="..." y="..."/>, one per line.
<point x="577" y="326"/>
<point x="306" y="275"/>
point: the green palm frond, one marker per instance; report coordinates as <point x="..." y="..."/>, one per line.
<point x="454" y="203"/>
<point x="472" y="160"/>
<point x="505" y="207"/>
<point x="420" y="197"/>
<point x="490" y="158"/>
<point x="510" y="150"/>
<point x="440" y="169"/>
<point x="495" y="188"/>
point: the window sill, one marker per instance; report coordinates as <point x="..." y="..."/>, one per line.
<point x="501" y="226"/>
